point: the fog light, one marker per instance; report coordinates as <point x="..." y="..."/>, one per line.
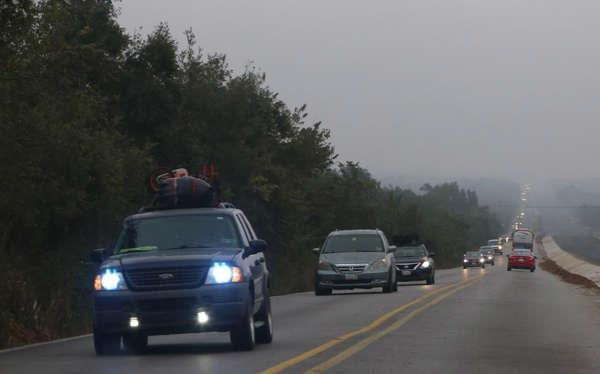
<point x="202" y="318"/>
<point x="134" y="322"/>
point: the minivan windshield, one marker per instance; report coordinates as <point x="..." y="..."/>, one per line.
<point x="354" y="243"/>
<point x="178" y="232"/>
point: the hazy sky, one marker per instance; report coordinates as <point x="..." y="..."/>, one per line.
<point x="448" y="88"/>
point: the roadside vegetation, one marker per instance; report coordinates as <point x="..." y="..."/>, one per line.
<point x="89" y="110"/>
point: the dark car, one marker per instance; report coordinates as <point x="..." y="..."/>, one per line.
<point x="488" y="252"/>
<point x="414" y="263"/>
<point x="473" y="259"/>
<point x="497" y="245"/>
<point x="355" y="259"/>
<point x="182" y="271"/>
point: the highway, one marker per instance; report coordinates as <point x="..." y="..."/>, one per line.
<point x="471" y="321"/>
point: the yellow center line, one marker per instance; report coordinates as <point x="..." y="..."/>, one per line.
<point x="373" y="325"/>
<point x="362" y="344"/>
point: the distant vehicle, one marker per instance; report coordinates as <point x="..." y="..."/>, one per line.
<point x="521" y="259"/>
<point x="496" y="246"/>
<point x="473" y="259"/>
<point x="414" y="263"/>
<point x="488" y="253"/>
<point x="355" y="259"/>
<point x="522" y="238"/>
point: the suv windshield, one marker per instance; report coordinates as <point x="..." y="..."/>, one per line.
<point x="354" y="243"/>
<point x="178" y="232"/>
<point x="473" y="254"/>
<point x="410" y="252"/>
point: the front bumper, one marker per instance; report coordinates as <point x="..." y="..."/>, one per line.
<point x="411" y="274"/>
<point x="339" y="281"/>
<point x="473" y="264"/>
<point x="171" y="311"/>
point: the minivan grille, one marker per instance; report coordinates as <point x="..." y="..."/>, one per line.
<point x="350" y="268"/>
<point x="166" y="278"/>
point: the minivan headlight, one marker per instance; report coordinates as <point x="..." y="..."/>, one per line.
<point x="221" y="272"/>
<point x="379" y="265"/>
<point x="109" y="280"/>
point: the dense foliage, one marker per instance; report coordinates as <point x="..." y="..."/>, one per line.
<point x="88" y="111"/>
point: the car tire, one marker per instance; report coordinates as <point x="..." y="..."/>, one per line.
<point x="430" y="279"/>
<point x="135" y="343"/>
<point x="508" y="268"/>
<point x="493" y="263"/>
<point x="321" y="291"/>
<point x="242" y="335"/>
<point x="464" y="267"/>
<point x="532" y="269"/>
<point x="483" y="266"/>
<point x="264" y="333"/>
<point x="106" y="344"/>
<point x="389" y="288"/>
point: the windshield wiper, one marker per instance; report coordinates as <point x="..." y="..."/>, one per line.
<point x="138" y="249"/>
<point x="185" y="246"/>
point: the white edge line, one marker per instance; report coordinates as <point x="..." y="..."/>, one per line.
<point x="23" y="347"/>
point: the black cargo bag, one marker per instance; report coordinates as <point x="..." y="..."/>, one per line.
<point x="185" y="192"/>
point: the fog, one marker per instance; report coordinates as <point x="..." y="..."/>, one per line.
<point x="473" y="89"/>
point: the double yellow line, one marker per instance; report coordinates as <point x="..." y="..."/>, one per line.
<point x="443" y="293"/>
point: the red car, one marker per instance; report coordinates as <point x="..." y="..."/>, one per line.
<point x="521" y="259"/>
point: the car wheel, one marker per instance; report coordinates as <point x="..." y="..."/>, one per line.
<point x="107" y="344"/>
<point x="483" y="266"/>
<point x="532" y="269"/>
<point x="389" y="287"/>
<point x="464" y="267"/>
<point x="430" y="280"/>
<point x="493" y="263"/>
<point x="135" y="343"/>
<point x="242" y="336"/>
<point x="508" y="268"/>
<point x="264" y="332"/>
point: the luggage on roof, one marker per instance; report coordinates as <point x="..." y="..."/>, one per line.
<point x="177" y="190"/>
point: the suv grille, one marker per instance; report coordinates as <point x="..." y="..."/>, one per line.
<point x="350" y="268"/>
<point x="166" y="278"/>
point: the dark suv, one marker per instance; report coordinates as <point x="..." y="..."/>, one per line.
<point x="414" y="263"/>
<point x="182" y="271"/>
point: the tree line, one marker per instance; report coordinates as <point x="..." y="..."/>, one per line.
<point x="89" y="110"/>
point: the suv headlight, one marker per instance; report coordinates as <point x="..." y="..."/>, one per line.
<point x="379" y="265"/>
<point x="109" y="280"/>
<point x="425" y="264"/>
<point x="490" y="257"/>
<point x="323" y="265"/>
<point x="465" y="260"/>
<point x="482" y="260"/>
<point x="221" y="272"/>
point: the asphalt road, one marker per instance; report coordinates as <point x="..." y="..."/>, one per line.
<point x="471" y="321"/>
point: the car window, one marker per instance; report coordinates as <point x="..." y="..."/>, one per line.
<point x="248" y="226"/>
<point x="410" y="252"/>
<point x="354" y="243"/>
<point x="244" y="229"/>
<point x="179" y="232"/>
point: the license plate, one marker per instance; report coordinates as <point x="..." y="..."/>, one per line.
<point x="406" y="272"/>
<point x="521" y="260"/>
<point x="350" y="276"/>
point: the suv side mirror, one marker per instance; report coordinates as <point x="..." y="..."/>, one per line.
<point x="256" y="246"/>
<point x="97" y="255"/>
<point x="316" y="250"/>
